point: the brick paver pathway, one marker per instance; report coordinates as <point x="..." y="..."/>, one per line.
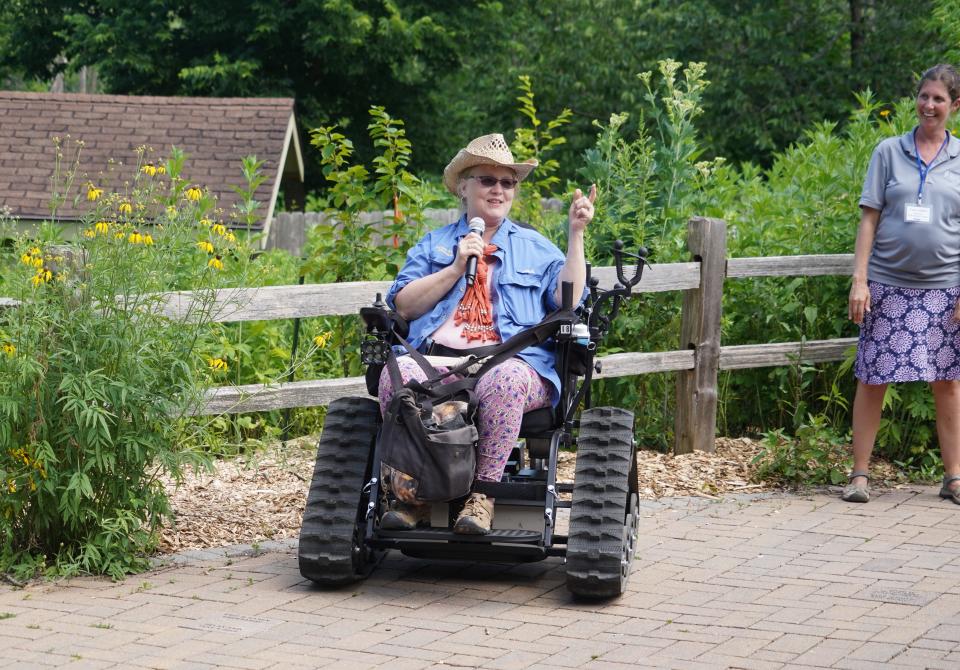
<point x="770" y="582"/>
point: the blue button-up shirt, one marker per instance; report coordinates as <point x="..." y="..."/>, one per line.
<point x="525" y="286"/>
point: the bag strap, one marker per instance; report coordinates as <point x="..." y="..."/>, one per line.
<point x="537" y="334"/>
<point x="433" y="385"/>
<point x="394" y="369"/>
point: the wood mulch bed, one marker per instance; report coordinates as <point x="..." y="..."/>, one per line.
<point x="260" y="496"/>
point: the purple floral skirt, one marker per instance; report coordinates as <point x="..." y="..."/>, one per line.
<point x="909" y="335"/>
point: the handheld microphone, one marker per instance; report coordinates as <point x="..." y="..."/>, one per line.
<point x="477" y="226"/>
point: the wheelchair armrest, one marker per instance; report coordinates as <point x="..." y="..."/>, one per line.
<point x="384" y="321"/>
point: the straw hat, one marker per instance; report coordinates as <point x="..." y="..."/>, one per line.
<point x="485" y="150"/>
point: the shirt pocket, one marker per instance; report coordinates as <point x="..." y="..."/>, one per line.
<point x="522" y="294"/>
<point x="441" y="256"/>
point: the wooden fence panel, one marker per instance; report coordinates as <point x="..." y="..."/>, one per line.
<point x="790" y="266"/>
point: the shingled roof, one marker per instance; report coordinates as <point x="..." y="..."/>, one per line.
<point x="215" y="133"/>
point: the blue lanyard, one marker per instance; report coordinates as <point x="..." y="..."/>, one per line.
<point x="924" y="169"/>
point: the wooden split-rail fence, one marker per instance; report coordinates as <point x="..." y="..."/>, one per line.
<point x="696" y="363"/>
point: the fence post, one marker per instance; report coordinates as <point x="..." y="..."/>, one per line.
<point x="696" y="415"/>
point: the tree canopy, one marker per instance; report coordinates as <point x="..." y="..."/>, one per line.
<point x="450" y="69"/>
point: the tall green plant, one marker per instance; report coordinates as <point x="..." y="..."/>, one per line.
<point x="539" y="141"/>
<point x="96" y="380"/>
<point x="356" y="244"/>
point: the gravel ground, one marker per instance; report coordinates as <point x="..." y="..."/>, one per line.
<point x="260" y="496"/>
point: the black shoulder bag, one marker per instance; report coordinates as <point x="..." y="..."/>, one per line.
<point x="429" y="437"/>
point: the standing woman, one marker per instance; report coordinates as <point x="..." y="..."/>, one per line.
<point x="906" y="278"/>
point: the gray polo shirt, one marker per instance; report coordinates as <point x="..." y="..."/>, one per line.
<point x="914" y="255"/>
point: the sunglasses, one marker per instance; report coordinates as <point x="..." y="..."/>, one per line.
<point x="489" y="182"/>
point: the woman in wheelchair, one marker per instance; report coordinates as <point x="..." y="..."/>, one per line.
<point x="457" y="306"/>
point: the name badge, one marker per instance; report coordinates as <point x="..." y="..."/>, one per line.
<point x="916" y="214"/>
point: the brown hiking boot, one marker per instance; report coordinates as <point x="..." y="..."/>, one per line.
<point x="476" y="517"/>
<point x="402" y="516"/>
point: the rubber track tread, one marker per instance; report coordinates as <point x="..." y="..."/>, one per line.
<point x="330" y="515"/>
<point x="601" y="491"/>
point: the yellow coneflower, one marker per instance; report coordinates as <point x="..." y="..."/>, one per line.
<point x="206" y="222"/>
<point x="89" y="233"/>
<point x="126" y="208"/>
<point x="219" y="229"/>
<point x="322" y="339"/>
<point x="11" y="486"/>
<point x="118" y="235"/>
<point x="31" y="257"/>
<point x="42" y="277"/>
<point x="161" y="169"/>
<point x="135" y="237"/>
<point x="230" y="237"/>
<point x="205" y="246"/>
<point x="9" y="349"/>
<point x="194" y="193"/>
<point x="147" y="240"/>
<point x="171" y="211"/>
<point x="93" y="193"/>
<point x="33" y="486"/>
<point x="102" y="227"/>
<point x="215" y="263"/>
<point x="149" y="169"/>
<point x="884" y="113"/>
<point x="218" y="364"/>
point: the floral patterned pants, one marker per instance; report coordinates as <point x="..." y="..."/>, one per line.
<point x="503" y="395"/>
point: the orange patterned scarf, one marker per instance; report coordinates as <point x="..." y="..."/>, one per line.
<point x="475" y="311"/>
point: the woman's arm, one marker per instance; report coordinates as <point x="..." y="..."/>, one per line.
<point x="575" y="266"/>
<point x="421" y="295"/>
<point x="859" y="301"/>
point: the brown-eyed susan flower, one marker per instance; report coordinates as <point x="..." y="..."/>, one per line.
<point x="216" y="263"/>
<point x="149" y="169"/>
<point x="194" y="193"/>
<point x="93" y="193"/>
<point x="9" y="349"/>
<point x="126" y="208"/>
<point x="32" y="257"/>
<point x="219" y="229"/>
<point x="42" y="277"/>
<point x="205" y="246"/>
<point x="218" y="364"/>
<point x="101" y="227"/>
<point x="322" y="339"/>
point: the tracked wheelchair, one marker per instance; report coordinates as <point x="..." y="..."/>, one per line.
<point x="340" y="538"/>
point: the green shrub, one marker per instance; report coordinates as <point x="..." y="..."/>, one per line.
<point x="815" y="455"/>
<point x="96" y="381"/>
